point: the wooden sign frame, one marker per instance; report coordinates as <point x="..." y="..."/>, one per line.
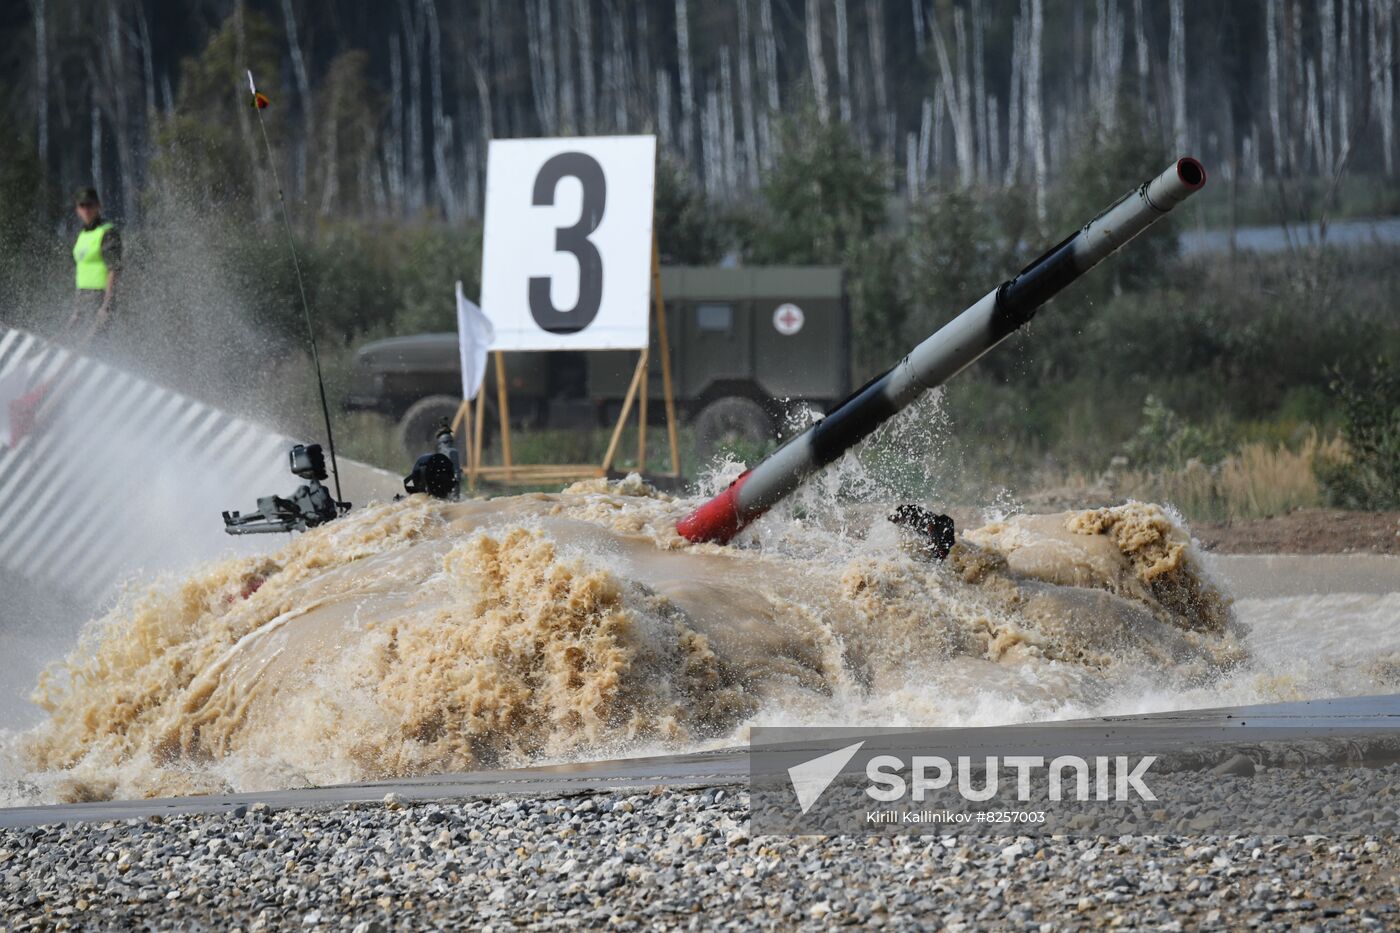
<point x="511" y="473"/>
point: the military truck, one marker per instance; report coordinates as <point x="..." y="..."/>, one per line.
<point x="748" y="345"/>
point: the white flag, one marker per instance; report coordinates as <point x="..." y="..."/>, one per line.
<point x="474" y="337"/>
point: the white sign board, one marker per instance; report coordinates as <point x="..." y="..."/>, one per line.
<point x="567" y="260"/>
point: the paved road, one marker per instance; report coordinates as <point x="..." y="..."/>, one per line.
<point x="1310" y="732"/>
<point x="1266" y="576"/>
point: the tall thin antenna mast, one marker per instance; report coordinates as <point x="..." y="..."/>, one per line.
<point x="260" y="103"/>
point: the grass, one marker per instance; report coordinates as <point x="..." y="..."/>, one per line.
<point x="1259" y="480"/>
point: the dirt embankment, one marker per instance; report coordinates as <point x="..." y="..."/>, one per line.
<point x="1306" y="531"/>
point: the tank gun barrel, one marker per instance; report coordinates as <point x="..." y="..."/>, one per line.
<point x="943" y="355"/>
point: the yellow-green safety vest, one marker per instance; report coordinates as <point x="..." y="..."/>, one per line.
<point x="87" y="257"/>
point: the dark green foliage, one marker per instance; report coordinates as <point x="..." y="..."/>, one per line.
<point x="1165" y="439"/>
<point x="823" y="199"/>
<point x="960" y="245"/>
<point x="211" y="152"/>
<point x="362" y="281"/>
<point x="1370" y="479"/>
<point x="690" y="231"/>
<point x="879" y="313"/>
<point x="25" y="214"/>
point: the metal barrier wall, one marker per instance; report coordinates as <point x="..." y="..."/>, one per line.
<point x="122" y="478"/>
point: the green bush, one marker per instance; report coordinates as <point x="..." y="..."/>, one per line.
<point x="1163" y="439"/>
<point x="1370" y="477"/>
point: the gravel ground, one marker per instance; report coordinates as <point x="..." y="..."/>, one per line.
<point x="670" y="859"/>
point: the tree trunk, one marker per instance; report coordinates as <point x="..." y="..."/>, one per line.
<point x="1327" y="76"/>
<point x="1387" y="63"/>
<point x="712" y="162"/>
<point x="875" y="34"/>
<point x="961" y="144"/>
<point x="1143" y="61"/>
<point x="1014" y="141"/>
<point x="1035" y="123"/>
<point x="663" y="108"/>
<point x="816" y="60"/>
<point x="568" y="102"/>
<point x="1177" y="54"/>
<point x="769" y="60"/>
<point x="618" y="68"/>
<point x="96" y="170"/>
<point x="643" y="69"/>
<point x="442" y="123"/>
<point x="486" y="30"/>
<point x="540" y="46"/>
<point x="746" y="92"/>
<point x="843" y="62"/>
<point x="417" y="165"/>
<point x="583" y="22"/>
<point x="1271" y="30"/>
<point x="148" y="74"/>
<point x="687" y="89"/>
<point x="979" y="95"/>
<point x="394" y="145"/>
<point x="41" y="68"/>
<point x="911" y="165"/>
<point x="927" y="138"/>
<point x="1345" y="66"/>
<point x="304" y="91"/>
<point x="726" y="113"/>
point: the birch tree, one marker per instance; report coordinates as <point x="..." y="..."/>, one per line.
<point x="979" y="95"/>
<point x="39" y="10"/>
<point x="303" y="83"/>
<point x="769" y="60"/>
<point x="875" y="35"/>
<point x="816" y="61"/>
<point x="687" y="89"/>
<point x="416" y="166"/>
<point x="442" y="123"/>
<point x="564" y="34"/>
<point x="746" y="103"/>
<point x="1177" y="55"/>
<point x="583" y="22"/>
<point x="1035" y="124"/>
<point x="1271" y="33"/>
<point x="843" y="62"/>
<point x="962" y="141"/>
<point x="1014" y="141"/>
<point x="543" y="73"/>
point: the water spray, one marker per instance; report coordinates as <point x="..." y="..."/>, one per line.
<point x="947" y="352"/>
<point x="260" y="103"/>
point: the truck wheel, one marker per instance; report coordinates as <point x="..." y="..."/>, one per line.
<point x="419" y="424"/>
<point x="734" y="423"/>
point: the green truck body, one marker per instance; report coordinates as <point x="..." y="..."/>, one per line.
<point x="747" y="345"/>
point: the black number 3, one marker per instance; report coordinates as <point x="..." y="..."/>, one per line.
<point x="572" y="240"/>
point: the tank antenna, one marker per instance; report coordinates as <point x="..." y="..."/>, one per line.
<point x="260" y="103"/>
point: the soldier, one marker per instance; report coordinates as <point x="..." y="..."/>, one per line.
<point x="97" y="256"/>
